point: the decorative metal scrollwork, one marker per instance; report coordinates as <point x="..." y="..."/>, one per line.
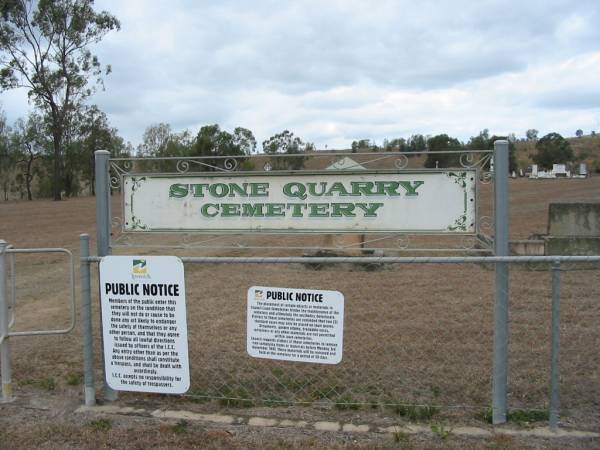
<point x="403" y="242"/>
<point x="401" y="161"/>
<point x="182" y="166"/>
<point x="468" y="242"/>
<point x="469" y="160"/>
<point x="485" y="223"/>
<point x="230" y="164"/>
<point x="486" y="177"/>
<point x="115" y="182"/>
<point x="116" y="222"/>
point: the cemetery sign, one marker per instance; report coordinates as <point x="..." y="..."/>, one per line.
<point x="411" y="201"/>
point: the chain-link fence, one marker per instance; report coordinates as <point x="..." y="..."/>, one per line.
<point x="418" y="337"/>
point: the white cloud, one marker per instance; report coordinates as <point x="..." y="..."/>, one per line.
<point x="337" y="71"/>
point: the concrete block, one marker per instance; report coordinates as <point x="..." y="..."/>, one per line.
<point x="574" y="219"/>
<point x="327" y="426"/>
<point x="573" y="246"/>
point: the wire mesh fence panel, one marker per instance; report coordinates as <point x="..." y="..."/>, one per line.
<point x="419" y="335"/>
<point x="580" y="346"/>
<point x="530" y="341"/>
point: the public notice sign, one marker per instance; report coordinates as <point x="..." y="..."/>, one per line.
<point x="295" y="324"/>
<point x="412" y="202"/>
<point x="144" y="323"/>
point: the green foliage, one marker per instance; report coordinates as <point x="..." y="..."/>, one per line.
<point x="441" y="430"/>
<point x="345" y="401"/>
<point x="29" y="142"/>
<point x="236" y="398"/>
<point x="553" y="149"/>
<point x="484" y="142"/>
<point x="74" y="378"/>
<point x="416" y="412"/>
<point x="398" y="144"/>
<point x="519" y="416"/>
<point x="531" y="134"/>
<point x="212" y="141"/>
<point x="8" y="159"/>
<point x="363" y="145"/>
<point x="417" y="143"/>
<point x="180" y="427"/>
<point x="101" y="424"/>
<point x="48" y="384"/>
<point x="44" y="47"/>
<point x="288" y="144"/>
<point x="524" y="417"/>
<point x="442" y="142"/>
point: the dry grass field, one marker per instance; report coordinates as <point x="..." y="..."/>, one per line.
<point x="417" y="338"/>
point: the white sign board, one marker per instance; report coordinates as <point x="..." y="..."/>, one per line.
<point x="144" y="323"/>
<point x="295" y="324"/>
<point x="420" y="202"/>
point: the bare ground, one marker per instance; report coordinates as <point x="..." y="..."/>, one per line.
<point x="413" y="335"/>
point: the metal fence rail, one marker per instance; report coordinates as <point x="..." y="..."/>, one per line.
<point x="371" y="374"/>
<point x="8" y="304"/>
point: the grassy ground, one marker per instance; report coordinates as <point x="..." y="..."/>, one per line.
<point x="414" y="335"/>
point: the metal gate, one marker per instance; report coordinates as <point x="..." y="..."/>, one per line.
<point x="8" y="302"/>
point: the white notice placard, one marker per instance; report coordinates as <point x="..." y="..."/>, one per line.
<point x="144" y="323"/>
<point x="295" y="324"/>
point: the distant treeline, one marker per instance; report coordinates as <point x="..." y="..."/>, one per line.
<point x="27" y="157"/>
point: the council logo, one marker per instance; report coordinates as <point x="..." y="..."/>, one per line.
<point x="259" y="294"/>
<point x="140" y="267"/>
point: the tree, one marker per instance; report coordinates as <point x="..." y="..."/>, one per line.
<point x="244" y="140"/>
<point x="531" y="134"/>
<point x="553" y="149"/>
<point x="579" y="133"/>
<point x="361" y="145"/>
<point x="212" y="141"/>
<point x="442" y="142"/>
<point x="44" y="48"/>
<point x="286" y="143"/>
<point x="8" y="157"/>
<point x="398" y="144"/>
<point x="483" y="141"/>
<point x="93" y="132"/>
<point x="28" y="140"/>
<point x="417" y="143"/>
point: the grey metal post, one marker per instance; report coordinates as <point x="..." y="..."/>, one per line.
<point x="86" y="322"/>
<point x="554" y="357"/>
<point x="5" y="368"/>
<point x="103" y="232"/>
<point x="499" y="395"/>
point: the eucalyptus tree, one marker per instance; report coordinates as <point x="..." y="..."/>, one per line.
<point x="45" y="49"/>
<point x="288" y="144"/>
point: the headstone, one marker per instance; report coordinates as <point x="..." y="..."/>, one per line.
<point x="534" y="171"/>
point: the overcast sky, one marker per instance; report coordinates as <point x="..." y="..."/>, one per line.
<point x="337" y="71"/>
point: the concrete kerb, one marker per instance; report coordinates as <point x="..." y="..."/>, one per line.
<point x="223" y="419"/>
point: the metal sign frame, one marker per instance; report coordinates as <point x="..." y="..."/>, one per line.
<point x="477" y="242"/>
<point x="131" y="183"/>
